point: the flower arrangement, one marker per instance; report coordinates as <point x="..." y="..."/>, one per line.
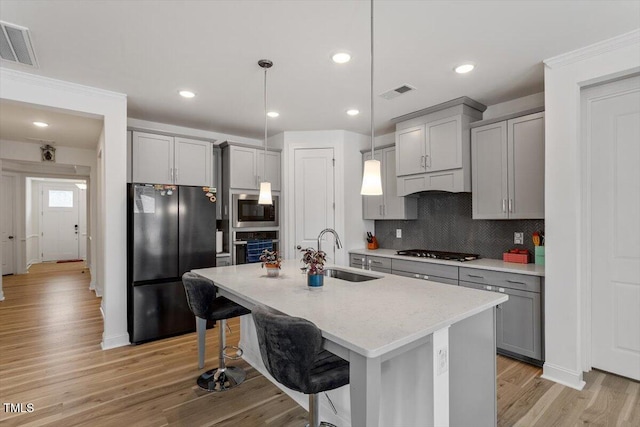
<point x="313" y="260"/>
<point x="270" y="258"/>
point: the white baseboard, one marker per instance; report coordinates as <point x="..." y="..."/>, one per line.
<point x="563" y="376"/>
<point x="113" y="342"/>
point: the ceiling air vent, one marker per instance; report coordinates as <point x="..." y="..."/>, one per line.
<point x="397" y="91"/>
<point x="15" y="44"/>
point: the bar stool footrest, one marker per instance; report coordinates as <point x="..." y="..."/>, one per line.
<point x="221" y="379"/>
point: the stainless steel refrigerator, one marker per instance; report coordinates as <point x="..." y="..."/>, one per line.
<point x="171" y="230"/>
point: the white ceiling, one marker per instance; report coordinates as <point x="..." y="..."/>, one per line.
<point x="65" y="128"/>
<point x="150" y="49"/>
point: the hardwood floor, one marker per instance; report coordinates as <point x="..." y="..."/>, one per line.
<point x="50" y="356"/>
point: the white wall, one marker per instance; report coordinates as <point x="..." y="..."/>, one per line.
<point x="23" y="87"/>
<point x="66" y="159"/>
<point x="564" y="77"/>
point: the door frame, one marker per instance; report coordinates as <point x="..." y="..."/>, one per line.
<point x="584" y="273"/>
<point x="52" y="181"/>
<point x="310" y="140"/>
<point x="16" y="212"/>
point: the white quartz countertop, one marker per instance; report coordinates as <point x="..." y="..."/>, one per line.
<point x="371" y="318"/>
<point x="482" y="263"/>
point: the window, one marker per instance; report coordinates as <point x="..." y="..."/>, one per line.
<point x="60" y="199"/>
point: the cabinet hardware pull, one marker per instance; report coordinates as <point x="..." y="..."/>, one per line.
<point x="477" y="277"/>
<point x="488" y="288"/>
<point x="501" y="290"/>
<point x="171" y="174"/>
<point x="422" y="162"/>
<point x="426" y="277"/>
<point x="510" y="205"/>
<point x="176" y="169"/>
<point x="427" y="161"/>
<point x="417" y="276"/>
<point x="516" y="282"/>
<point x="499" y="306"/>
<point x="504" y="206"/>
<point x="375" y="262"/>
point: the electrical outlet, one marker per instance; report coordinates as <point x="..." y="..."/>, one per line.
<point x="443" y="360"/>
<point x="518" y="238"/>
<point x="398" y="233"/>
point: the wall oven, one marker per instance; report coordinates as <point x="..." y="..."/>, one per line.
<point x="248" y="245"/>
<point x="248" y="213"/>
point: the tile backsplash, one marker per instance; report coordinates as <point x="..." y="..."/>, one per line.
<point x="444" y="223"/>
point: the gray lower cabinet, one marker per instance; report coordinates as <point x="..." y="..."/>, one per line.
<point x="519" y="320"/>
<point x="369" y="262"/>
<point x="426" y="271"/>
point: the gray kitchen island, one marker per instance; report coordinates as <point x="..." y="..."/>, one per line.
<point x="421" y="353"/>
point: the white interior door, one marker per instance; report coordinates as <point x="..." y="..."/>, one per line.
<point x="614" y="133"/>
<point x="60" y="222"/>
<point x="314" y="197"/>
<point x="7" y="197"/>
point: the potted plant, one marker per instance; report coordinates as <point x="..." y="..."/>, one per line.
<point x="314" y="262"/>
<point x="271" y="260"/>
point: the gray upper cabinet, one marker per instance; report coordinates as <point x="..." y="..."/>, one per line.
<point x="508" y="168"/>
<point x="162" y="159"/>
<point x="247" y="168"/>
<point x="389" y="205"/>
<point x="432" y="150"/>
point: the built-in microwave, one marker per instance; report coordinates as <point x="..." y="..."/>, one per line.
<point x="248" y="213"/>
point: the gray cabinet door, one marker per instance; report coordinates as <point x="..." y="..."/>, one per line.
<point x="410" y="150"/>
<point x="518" y="324"/>
<point x="395" y="207"/>
<point x="526" y="166"/>
<point x="273" y="168"/>
<point x="152" y="158"/>
<point x="372" y="206"/>
<point x="192" y="162"/>
<point x="489" y="171"/>
<point x="444" y="144"/>
<point x="243" y="168"/>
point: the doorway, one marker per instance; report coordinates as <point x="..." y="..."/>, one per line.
<point x="62" y="220"/>
<point x="313" y="196"/>
<point x="7" y="228"/>
<point x="611" y="117"/>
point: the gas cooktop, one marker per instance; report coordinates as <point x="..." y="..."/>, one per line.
<point x="425" y="253"/>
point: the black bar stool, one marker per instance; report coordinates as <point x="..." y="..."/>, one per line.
<point x="291" y="349"/>
<point x="201" y="296"/>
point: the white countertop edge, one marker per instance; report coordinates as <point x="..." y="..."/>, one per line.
<point x="481" y="264"/>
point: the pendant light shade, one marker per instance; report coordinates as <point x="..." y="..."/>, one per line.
<point x="371" y="176"/>
<point x="371" y="180"/>
<point x="265" y="194"/>
<point x="265" y="187"/>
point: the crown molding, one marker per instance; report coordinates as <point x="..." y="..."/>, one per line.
<point x="596" y="49"/>
<point x="7" y="74"/>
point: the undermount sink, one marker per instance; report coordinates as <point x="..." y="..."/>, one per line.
<point x="349" y="276"/>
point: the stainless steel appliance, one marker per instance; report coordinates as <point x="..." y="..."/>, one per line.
<point x="171" y="230"/>
<point x="426" y="253"/>
<point x="248" y="213"/>
<point x="249" y="244"/>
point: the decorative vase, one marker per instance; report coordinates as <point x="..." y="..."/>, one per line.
<point x="315" y="281"/>
<point x="272" y="270"/>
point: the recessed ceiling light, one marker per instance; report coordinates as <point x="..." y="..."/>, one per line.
<point x="41" y="124"/>
<point x="353" y="112"/>
<point x="186" y="94"/>
<point x="273" y="114"/>
<point x="341" y="57"/>
<point x="464" y="68"/>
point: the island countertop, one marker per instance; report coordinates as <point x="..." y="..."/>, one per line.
<point x="371" y="318"/>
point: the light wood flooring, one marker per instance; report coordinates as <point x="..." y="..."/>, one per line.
<point x="50" y="356"/>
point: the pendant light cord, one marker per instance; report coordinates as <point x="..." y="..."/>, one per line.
<point x="372" y="130"/>
<point x="264" y="160"/>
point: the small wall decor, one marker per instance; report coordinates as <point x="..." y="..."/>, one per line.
<point x="48" y="153"/>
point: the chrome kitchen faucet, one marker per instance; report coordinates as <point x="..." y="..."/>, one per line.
<point x="335" y="234"/>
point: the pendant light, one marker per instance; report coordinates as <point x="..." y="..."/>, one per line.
<point x="265" y="187"/>
<point x="371" y="178"/>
